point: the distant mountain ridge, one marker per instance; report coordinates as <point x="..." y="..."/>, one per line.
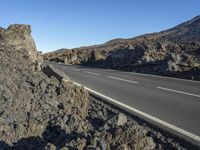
<point x="172" y="52"/>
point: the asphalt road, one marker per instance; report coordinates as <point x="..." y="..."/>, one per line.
<point x="174" y="101"/>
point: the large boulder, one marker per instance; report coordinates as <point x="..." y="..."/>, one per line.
<point x="19" y="37"/>
<point x="50" y="70"/>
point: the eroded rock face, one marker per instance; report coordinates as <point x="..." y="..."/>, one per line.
<point x="19" y="37"/>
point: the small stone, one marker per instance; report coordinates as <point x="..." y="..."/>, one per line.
<point x="150" y="145"/>
<point x="64" y="148"/>
<point x="121" y="119"/>
<point x="50" y="147"/>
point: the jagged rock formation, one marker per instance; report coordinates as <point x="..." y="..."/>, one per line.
<point x="174" y="52"/>
<point x="18" y="37"/>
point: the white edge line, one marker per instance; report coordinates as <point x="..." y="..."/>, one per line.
<point x="92" y="73"/>
<point x="142" y="74"/>
<point x="122" y="79"/>
<point x="181" y="92"/>
<point x="165" y="77"/>
<point x="168" y="125"/>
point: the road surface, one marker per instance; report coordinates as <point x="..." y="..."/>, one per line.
<point x="174" y="101"/>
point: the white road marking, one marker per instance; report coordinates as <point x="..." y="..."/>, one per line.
<point x="181" y="92"/>
<point x="166" y="124"/>
<point x="75" y="69"/>
<point x="122" y="79"/>
<point x="142" y="74"/>
<point x="92" y="73"/>
<point x="164" y="77"/>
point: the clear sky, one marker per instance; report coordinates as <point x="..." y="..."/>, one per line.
<point x="73" y="23"/>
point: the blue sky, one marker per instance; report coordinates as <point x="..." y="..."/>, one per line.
<point x="73" y="23"/>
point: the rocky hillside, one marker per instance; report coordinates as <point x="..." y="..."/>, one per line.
<point x="41" y="109"/>
<point x="174" y="52"/>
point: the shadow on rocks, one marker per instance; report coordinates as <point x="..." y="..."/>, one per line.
<point x="55" y="135"/>
<point x="52" y="138"/>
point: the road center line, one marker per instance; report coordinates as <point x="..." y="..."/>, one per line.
<point x="92" y="73"/>
<point x="181" y="92"/>
<point x="75" y="69"/>
<point x="166" y="124"/>
<point x="122" y="79"/>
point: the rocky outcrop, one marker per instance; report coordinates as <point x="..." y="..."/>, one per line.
<point x="174" y="52"/>
<point x="19" y="37"/>
<point x="32" y="104"/>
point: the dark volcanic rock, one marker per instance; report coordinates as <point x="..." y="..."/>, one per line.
<point x="50" y="70"/>
<point x="149" y="53"/>
<point x="112" y="129"/>
<point x="30" y="101"/>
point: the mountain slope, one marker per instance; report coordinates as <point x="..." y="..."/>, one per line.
<point x="173" y="52"/>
